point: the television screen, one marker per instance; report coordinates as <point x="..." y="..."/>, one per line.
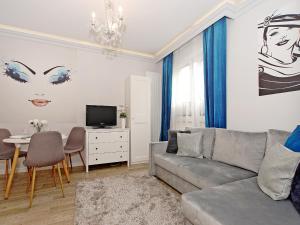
<point x="101" y="116"/>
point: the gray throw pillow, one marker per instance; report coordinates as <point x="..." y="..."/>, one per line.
<point x="277" y="171"/>
<point x="190" y="145"/>
<point x="172" y="141"/>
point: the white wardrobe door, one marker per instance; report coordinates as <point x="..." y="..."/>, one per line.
<point x="155" y="104"/>
<point x="140" y="118"/>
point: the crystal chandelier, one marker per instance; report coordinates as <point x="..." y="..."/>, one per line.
<point x="111" y="31"/>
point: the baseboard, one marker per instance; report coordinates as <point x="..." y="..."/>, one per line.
<point x="144" y="161"/>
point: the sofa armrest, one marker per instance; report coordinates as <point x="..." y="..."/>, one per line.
<point x="155" y="147"/>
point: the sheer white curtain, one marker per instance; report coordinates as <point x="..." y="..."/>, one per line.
<point x="188" y="86"/>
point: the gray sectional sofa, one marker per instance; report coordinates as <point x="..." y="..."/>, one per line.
<point x="221" y="188"/>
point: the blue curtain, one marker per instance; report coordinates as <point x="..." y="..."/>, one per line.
<point x="166" y="96"/>
<point x="214" y="46"/>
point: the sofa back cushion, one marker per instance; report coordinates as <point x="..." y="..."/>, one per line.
<point x="208" y="136"/>
<point x="276" y="136"/>
<point x="242" y="149"/>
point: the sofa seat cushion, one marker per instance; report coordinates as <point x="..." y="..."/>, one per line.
<point x="202" y="173"/>
<point x="238" y="203"/>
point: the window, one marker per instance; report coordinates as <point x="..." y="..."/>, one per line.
<point x="188" y="87"/>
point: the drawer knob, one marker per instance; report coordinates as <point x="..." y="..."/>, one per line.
<point x="121" y="136"/>
<point x="96" y="137"/>
<point x="96" y="159"/>
<point x="121" y="146"/>
<point x="96" y="148"/>
<point x="121" y="156"/>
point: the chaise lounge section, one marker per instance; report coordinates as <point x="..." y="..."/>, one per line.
<point x="238" y="203"/>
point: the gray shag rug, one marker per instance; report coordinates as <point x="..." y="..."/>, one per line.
<point x="131" y="199"/>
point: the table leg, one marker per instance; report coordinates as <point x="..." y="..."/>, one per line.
<point x="12" y="172"/>
<point x="66" y="170"/>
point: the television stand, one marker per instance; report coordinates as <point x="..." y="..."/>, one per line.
<point x="106" y="146"/>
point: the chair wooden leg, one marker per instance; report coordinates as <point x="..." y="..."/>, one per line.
<point x="70" y="161"/>
<point x="54" y="175"/>
<point x="52" y="171"/>
<point x="81" y="159"/>
<point x="60" y="180"/>
<point x="32" y="186"/>
<point x="29" y="179"/>
<point x="67" y="161"/>
<point x="64" y="164"/>
<point x="12" y="172"/>
<point x="6" y="173"/>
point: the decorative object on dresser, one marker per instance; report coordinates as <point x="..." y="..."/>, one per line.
<point x="138" y="104"/>
<point x="123" y="117"/>
<point x="106" y="146"/>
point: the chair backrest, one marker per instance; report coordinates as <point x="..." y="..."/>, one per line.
<point x="5" y="147"/>
<point x="76" y="138"/>
<point x="45" y="149"/>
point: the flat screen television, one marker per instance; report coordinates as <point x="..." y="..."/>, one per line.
<point x="101" y="116"/>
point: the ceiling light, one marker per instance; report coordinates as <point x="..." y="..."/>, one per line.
<point x="110" y="32"/>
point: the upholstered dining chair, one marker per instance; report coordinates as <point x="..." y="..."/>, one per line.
<point x="7" y="151"/>
<point x="45" y="149"/>
<point x="75" y="143"/>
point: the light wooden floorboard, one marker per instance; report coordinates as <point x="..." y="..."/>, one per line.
<point x="49" y="207"/>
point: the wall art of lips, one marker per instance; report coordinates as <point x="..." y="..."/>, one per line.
<point x="40" y="102"/>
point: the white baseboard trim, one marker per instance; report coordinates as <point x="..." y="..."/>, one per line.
<point x="145" y="161"/>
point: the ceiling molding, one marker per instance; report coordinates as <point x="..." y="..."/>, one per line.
<point x="221" y="10"/>
<point x="67" y="42"/>
<point x="229" y="8"/>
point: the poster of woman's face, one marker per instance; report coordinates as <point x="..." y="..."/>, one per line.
<point x="279" y="53"/>
<point x="37" y="80"/>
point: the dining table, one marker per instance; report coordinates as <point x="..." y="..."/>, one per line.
<point x="19" y="141"/>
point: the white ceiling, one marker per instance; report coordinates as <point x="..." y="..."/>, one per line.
<point x="151" y="24"/>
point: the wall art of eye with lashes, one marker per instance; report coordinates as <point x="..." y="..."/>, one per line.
<point x="25" y="74"/>
<point x="279" y="52"/>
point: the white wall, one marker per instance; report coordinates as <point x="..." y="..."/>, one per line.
<point x="246" y="110"/>
<point x="95" y="79"/>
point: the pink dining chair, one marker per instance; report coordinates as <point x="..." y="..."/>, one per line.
<point x="7" y="152"/>
<point x="45" y="149"/>
<point x="75" y="143"/>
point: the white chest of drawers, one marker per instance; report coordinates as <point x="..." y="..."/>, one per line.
<point x="106" y="146"/>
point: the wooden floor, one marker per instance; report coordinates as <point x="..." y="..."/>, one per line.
<point x="49" y="207"/>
